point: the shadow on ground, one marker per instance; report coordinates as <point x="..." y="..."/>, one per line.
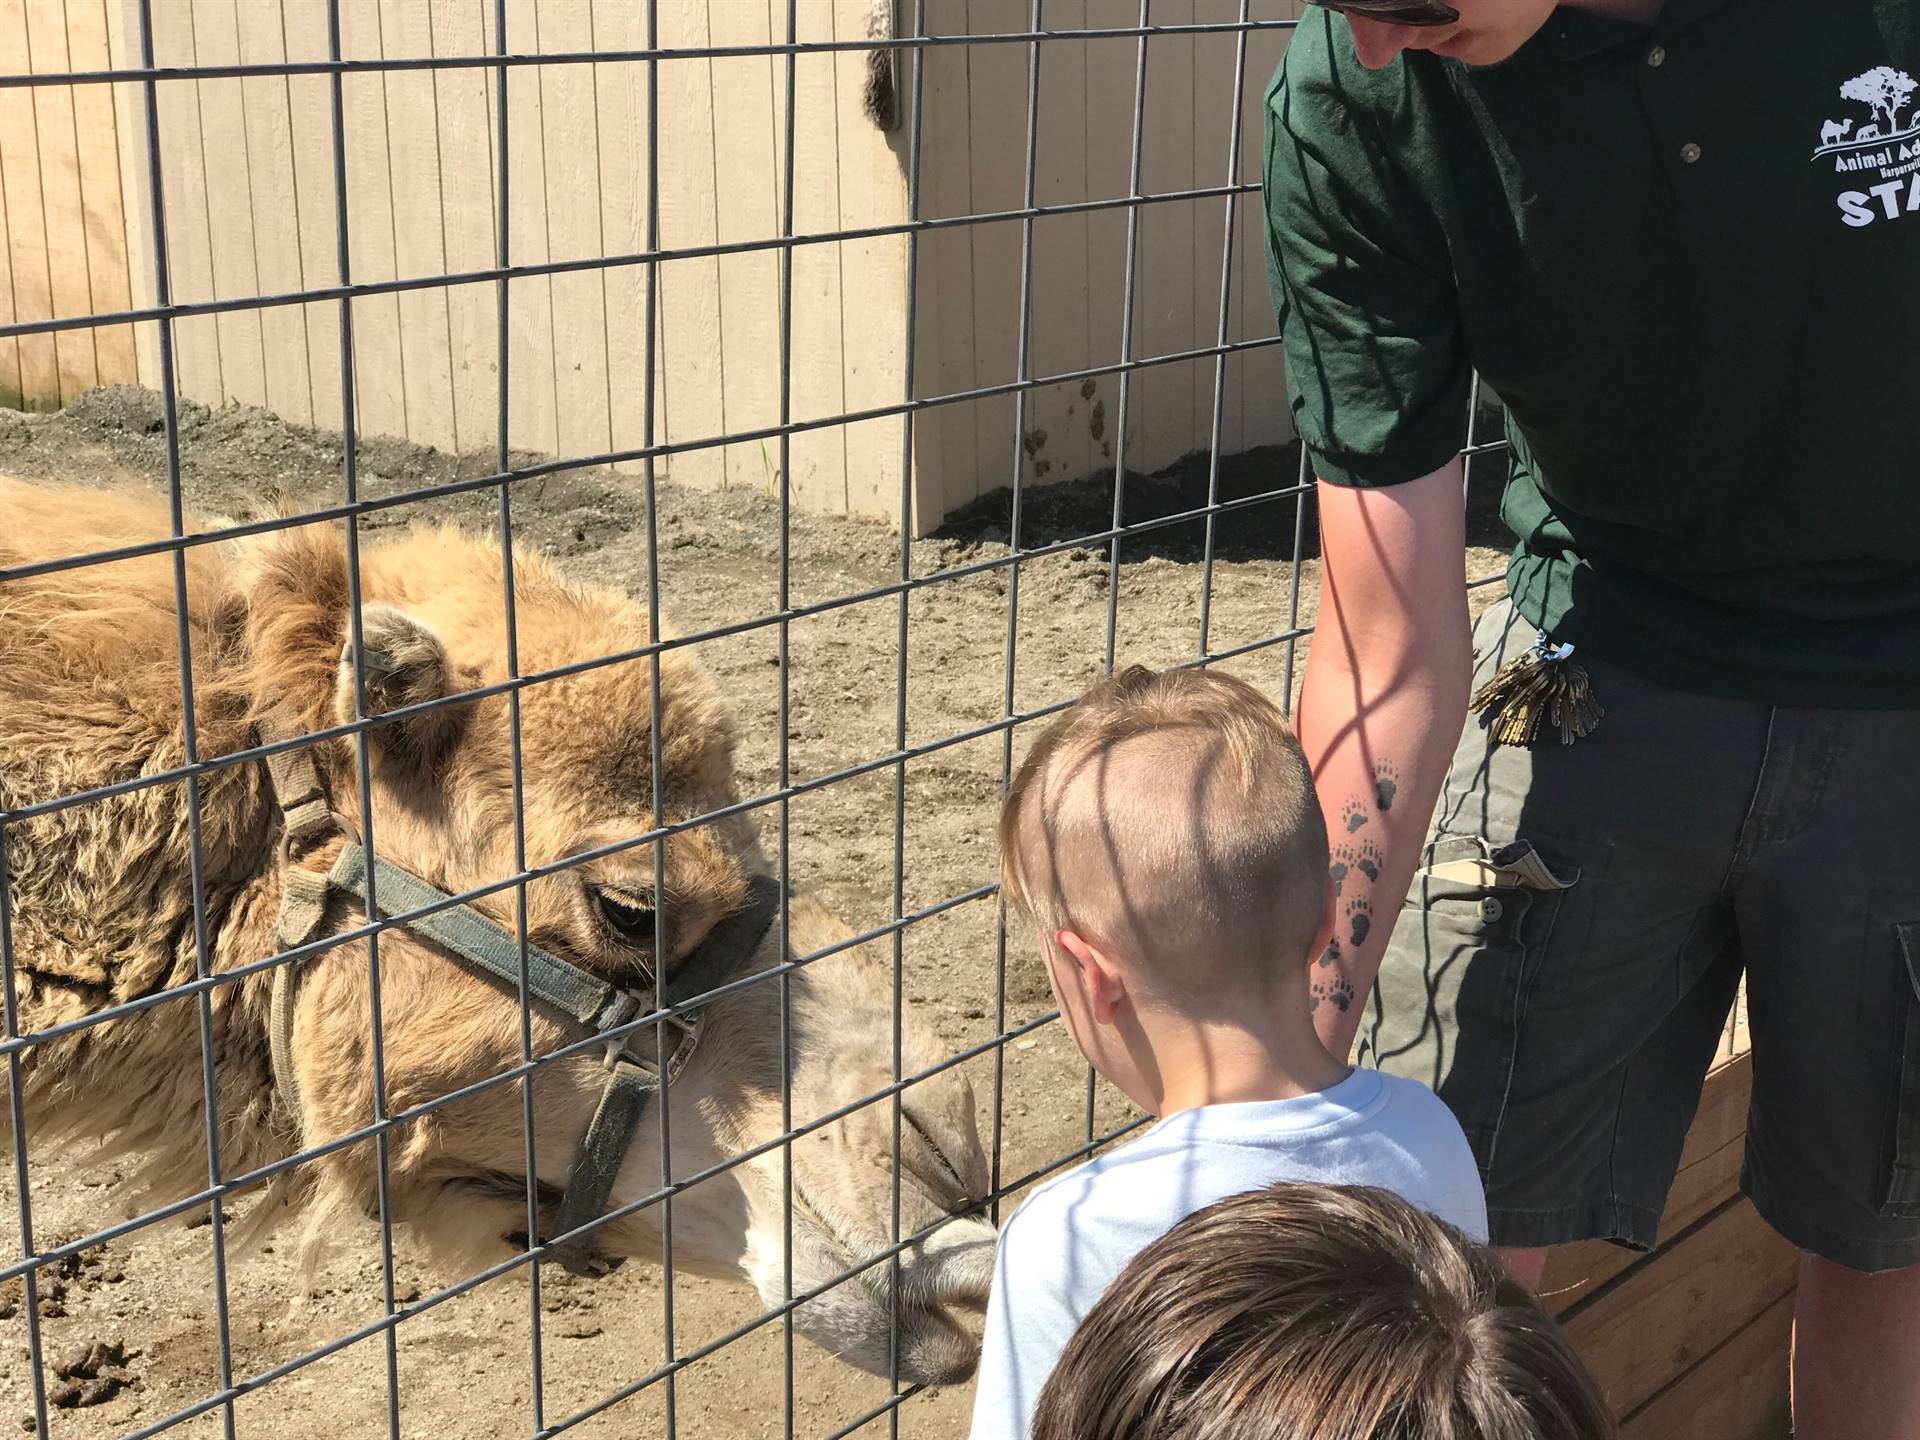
<point x="1255" y="528"/>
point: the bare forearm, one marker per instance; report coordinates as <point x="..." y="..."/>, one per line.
<point x="1385" y="695"/>
<point x="1379" y="738"/>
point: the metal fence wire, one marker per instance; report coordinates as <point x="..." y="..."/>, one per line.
<point x="906" y="54"/>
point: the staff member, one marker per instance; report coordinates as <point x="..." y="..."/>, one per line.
<point x="1681" y="241"/>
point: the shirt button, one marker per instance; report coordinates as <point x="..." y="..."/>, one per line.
<point x="1657" y="56"/>
<point x="1689" y="152"/>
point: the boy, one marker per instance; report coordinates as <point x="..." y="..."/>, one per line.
<point x="1164" y="838"/>
<point x="1309" y="1312"/>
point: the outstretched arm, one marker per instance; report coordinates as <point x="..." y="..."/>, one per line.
<point x="1384" y="699"/>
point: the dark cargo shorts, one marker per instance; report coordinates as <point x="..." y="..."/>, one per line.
<point x="1565" y="962"/>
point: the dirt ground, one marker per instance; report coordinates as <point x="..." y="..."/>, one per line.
<point x="463" y="1367"/>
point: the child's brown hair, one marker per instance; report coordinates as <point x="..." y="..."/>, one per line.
<point x="1173" y="812"/>
<point x="1318" y="1312"/>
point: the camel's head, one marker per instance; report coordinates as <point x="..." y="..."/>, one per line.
<point x="443" y="801"/>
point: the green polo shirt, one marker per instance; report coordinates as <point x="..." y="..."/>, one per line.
<point x="1688" y="260"/>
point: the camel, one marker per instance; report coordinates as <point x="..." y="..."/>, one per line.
<point x="101" y="905"/>
<point x="1834" y="131"/>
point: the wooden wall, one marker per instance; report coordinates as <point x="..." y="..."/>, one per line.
<point x="61" y="211"/>
<point x="249" y="180"/>
<point x="975" y="161"/>
<point x="248" y="177"/>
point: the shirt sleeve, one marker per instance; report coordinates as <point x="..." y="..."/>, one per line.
<point x="1359" y="272"/>
<point x="1442" y="1177"/>
<point x="1029" y="1321"/>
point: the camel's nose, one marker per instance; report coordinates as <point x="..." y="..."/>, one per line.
<point x="864" y="1321"/>
<point x="952" y="1266"/>
<point x="934" y="1350"/>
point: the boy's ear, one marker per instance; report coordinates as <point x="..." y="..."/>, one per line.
<point x="1100" y="979"/>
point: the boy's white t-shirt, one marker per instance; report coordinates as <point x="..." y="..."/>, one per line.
<point x="1074" y="1234"/>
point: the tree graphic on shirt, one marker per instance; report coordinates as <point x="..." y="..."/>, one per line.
<point x="1885" y="90"/>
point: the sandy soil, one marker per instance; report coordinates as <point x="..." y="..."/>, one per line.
<point x="463" y="1367"/>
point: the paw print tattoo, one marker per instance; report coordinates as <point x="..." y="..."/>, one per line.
<point x="1386" y="785"/>
<point x="1362" y="855"/>
<point x="1353" y="816"/>
<point x="1330" y="956"/>
<point x="1336" y="992"/>
<point x="1359" y="913"/>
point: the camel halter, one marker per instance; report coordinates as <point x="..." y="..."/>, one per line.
<point x="633" y="1079"/>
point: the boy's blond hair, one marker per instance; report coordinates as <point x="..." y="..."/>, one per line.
<point x="1171" y="815"/>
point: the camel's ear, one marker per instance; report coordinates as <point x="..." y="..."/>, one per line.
<point x="405" y="665"/>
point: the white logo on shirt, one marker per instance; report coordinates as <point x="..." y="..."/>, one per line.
<point x="1878" y="146"/>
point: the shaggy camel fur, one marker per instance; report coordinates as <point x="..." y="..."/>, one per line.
<point x="102" y="913"/>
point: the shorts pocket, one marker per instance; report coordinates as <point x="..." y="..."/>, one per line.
<point x="1902" y="1192"/>
<point x="1452" y="996"/>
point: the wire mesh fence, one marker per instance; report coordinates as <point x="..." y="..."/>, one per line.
<point x="843" y="787"/>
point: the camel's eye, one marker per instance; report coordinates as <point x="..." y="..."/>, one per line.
<point x="632" y="923"/>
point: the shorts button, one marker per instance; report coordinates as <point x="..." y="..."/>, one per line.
<point x="1657" y="56"/>
<point x="1491" y="909"/>
<point x="1689" y="152"/>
